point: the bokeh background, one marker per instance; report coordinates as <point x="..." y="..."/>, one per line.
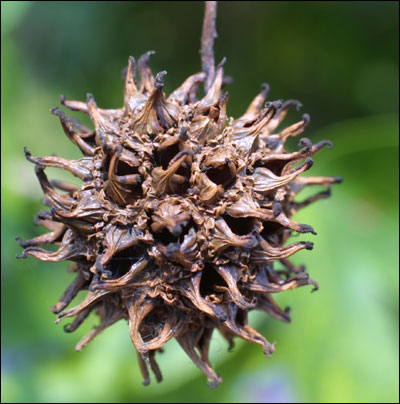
<point x="341" y="60"/>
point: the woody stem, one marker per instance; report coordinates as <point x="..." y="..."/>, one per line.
<point x="209" y="33"/>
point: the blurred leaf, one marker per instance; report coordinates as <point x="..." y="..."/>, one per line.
<point x="15" y="11"/>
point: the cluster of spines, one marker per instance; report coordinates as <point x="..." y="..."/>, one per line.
<point x="180" y="217"/>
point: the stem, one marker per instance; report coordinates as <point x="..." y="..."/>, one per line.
<point x="209" y="33"/>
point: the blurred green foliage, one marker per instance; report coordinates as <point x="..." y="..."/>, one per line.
<point x="341" y="60"/>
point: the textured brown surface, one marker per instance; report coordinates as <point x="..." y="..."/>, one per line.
<point x="181" y="216"/>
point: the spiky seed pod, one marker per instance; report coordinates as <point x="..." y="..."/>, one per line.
<point x="181" y="216"/>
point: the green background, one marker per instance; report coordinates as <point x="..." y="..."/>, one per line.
<point x="341" y="60"/>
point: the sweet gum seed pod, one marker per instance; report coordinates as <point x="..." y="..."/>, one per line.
<point x="181" y="224"/>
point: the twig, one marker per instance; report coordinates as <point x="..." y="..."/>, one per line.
<point x="207" y="42"/>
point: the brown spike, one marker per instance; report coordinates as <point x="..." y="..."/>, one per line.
<point x="181" y="94"/>
<point x="69" y="130"/>
<point x="108" y="320"/>
<point x="134" y="99"/>
<point x="214" y="93"/>
<point x="188" y="341"/>
<point x="146" y="75"/>
<point x="80" y="168"/>
<point x="143" y="369"/>
<point x="254" y="108"/>
<point x="70" y="293"/>
<point x="236" y="323"/>
<point x="267" y="304"/>
<point x="90" y="299"/>
<point x="78" y="320"/>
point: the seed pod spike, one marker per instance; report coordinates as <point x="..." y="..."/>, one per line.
<point x="255" y="106"/>
<point x="146" y="75"/>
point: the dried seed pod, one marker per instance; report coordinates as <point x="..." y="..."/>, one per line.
<point x="181" y="217"/>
